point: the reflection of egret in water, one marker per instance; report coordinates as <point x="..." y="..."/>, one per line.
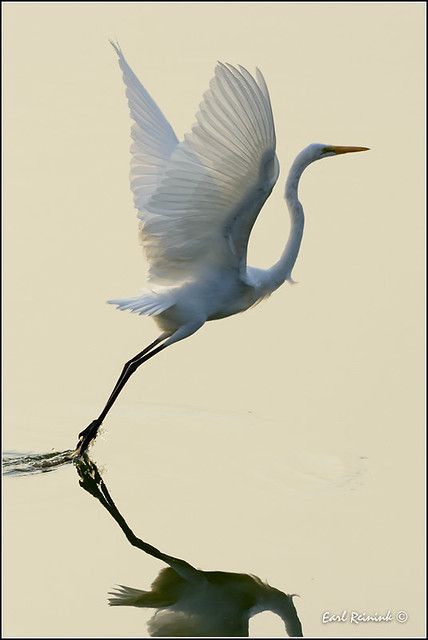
<point x="191" y="602"/>
<point x="20" y="464"/>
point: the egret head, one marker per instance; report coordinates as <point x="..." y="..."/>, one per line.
<point x="317" y="151"/>
<point x="282" y="604"/>
<point x="310" y="154"/>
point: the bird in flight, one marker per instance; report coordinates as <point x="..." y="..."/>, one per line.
<point x="190" y="602"/>
<point x="197" y="202"/>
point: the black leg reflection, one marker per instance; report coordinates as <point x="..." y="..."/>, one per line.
<point x="191" y="602"/>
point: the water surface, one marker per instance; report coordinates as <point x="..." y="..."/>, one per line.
<point x="215" y="488"/>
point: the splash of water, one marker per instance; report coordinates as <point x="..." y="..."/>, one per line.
<point x="20" y="464"/>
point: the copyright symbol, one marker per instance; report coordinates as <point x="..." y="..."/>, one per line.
<point x="402" y="616"/>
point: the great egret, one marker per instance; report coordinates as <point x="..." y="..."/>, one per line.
<point x="197" y="202"/>
<point x="191" y="602"/>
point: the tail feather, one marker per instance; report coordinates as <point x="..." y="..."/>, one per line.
<point x="128" y="597"/>
<point x="148" y="303"/>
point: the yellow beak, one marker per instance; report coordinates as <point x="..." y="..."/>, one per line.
<point x="348" y="149"/>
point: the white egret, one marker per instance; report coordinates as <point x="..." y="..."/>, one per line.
<point x="191" y="602"/>
<point x="197" y="202"/>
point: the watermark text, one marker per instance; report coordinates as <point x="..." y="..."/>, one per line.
<point x="361" y="617"/>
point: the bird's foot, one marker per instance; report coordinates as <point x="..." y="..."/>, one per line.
<point x="89" y="476"/>
<point x="86" y="436"/>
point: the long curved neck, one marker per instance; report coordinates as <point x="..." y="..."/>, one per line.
<point x="281" y="271"/>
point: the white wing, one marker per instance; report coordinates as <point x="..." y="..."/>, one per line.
<point x="215" y="182"/>
<point x="152" y="135"/>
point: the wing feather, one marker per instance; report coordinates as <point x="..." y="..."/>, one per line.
<point x="214" y="183"/>
<point x="152" y="135"/>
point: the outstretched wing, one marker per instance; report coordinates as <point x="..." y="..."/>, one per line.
<point x="215" y="183"/>
<point x="152" y="135"/>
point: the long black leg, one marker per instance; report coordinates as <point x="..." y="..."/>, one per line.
<point x="133" y="366"/>
<point x="132" y="360"/>
<point x="88" y="434"/>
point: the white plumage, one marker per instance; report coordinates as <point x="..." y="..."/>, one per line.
<point x="197" y="202"/>
<point x="198" y="199"/>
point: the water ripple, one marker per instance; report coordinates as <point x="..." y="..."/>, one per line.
<point x="20" y="464"/>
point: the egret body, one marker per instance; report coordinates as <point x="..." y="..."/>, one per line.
<point x="197" y="202"/>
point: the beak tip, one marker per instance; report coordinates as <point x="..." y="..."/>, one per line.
<point x="340" y="150"/>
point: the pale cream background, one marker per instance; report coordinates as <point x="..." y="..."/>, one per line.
<point x="285" y="443"/>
